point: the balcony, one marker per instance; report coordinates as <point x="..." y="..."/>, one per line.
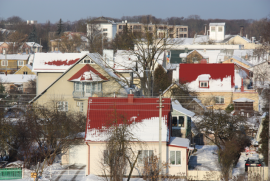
<point x="83" y="94"/>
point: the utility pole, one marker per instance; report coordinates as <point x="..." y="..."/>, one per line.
<point x="160" y="136"/>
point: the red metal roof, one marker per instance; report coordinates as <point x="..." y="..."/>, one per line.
<point x="190" y="72"/>
<point x="103" y="111"/>
<point x="62" y="62"/>
<point x="87" y="68"/>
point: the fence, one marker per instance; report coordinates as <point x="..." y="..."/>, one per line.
<point x="257" y="173"/>
<point x="10" y="173"/>
<point x="68" y="171"/>
<point x="204" y="175"/>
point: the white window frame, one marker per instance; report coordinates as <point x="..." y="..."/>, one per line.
<point x="175" y="157"/>
<point x="218" y="99"/>
<point x="4" y="62"/>
<point x="78" y="87"/>
<point x="19" y="63"/>
<point x="204" y="84"/>
<point x="87" y="61"/>
<point x="213" y="28"/>
<point x="62" y="106"/>
<point x="178" y="124"/>
<point x="144" y="154"/>
<point x="220" y="29"/>
<point x="105" y="29"/>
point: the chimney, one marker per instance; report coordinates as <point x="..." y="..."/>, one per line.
<point x="130" y="97"/>
<point x="241" y="31"/>
<point x="242" y="86"/>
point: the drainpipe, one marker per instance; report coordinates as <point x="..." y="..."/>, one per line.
<point x="88" y="171"/>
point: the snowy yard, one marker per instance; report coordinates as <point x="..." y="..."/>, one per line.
<point x="205" y="158"/>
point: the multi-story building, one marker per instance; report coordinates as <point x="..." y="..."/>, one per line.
<point x="109" y="28"/>
<point x="173" y="31"/>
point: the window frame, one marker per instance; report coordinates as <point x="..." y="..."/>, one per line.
<point x="62" y="106"/>
<point x="207" y="84"/>
<point x="213" y="29"/>
<point x="219" y="99"/>
<point x="175" y="158"/>
<point x="220" y="29"/>
<point x="178" y="122"/>
<point x="141" y="156"/>
<point x="25" y="73"/>
<point x="4" y="62"/>
<point x="20" y="61"/>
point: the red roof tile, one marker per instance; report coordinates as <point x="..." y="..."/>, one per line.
<point x="190" y="72"/>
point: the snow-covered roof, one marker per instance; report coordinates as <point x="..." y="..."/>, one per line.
<point x="204" y="77"/>
<point x="242" y="60"/>
<point x="182" y="142"/>
<point x="178" y="107"/>
<point x="29" y="66"/>
<point x="199" y="102"/>
<point x="243" y="99"/>
<point x="216" y="24"/>
<point x="55" y="62"/>
<point x="14" y="56"/>
<point x="33" y="44"/>
<point x="16" y="78"/>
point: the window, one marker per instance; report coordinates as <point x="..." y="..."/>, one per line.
<point x="145" y="154"/>
<point x="213" y="29"/>
<point x="62" y="106"/>
<point x="231" y="60"/>
<point x="175" y="157"/>
<point x="194" y="59"/>
<point x="185" y="35"/>
<point x="171" y="35"/>
<point x="220" y="29"/>
<point x="219" y="99"/>
<point x="181" y="29"/>
<point x="25" y="73"/>
<point x="20" y="63"/>
<point x="150" y="28"/>
<point x="87" y="61"/>
<point x="88" y="87"/>
<point x="204" y="85"/>
<point x="81" y="107"/>
<point x="120" y="27"/>
<point x="178" y="121"/>
<point x="78" y="86"/>
<point x="105" y="29"/>
<point x="104" y="34"/>
<point x="171" y="29"/>
<point x="4" y="63"/>
<point x="137" y="27"/>
<point x="181" y="35"/>
<point x="185" y="29"/>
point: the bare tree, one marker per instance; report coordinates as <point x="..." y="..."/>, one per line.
<point x="69" y="43"/>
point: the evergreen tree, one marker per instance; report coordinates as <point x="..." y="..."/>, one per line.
<point x="60" y="28"/>
<point x="32" y="37"/>
<point x="161" y="80"/>
<point x="264" y="140"/>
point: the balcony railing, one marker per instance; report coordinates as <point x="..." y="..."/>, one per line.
<point x="83" y="94"/>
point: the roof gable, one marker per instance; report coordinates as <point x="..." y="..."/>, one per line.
<point x="88" y="74"/>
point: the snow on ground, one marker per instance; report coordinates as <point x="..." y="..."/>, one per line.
<point x="240" y="166"/>
<point x="204" y="159"/>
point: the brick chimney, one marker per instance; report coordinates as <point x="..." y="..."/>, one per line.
<point x="130" y="97"/>
<point x="242" y="86"/>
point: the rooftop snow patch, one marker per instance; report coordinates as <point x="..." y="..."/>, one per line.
<point x="178" y="107"/>
<point x="182" y="142"/>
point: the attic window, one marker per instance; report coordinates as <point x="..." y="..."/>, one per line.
<point x="178" y="121"/>
<point x="87" y="61"/>
<point x="204" y="84"/>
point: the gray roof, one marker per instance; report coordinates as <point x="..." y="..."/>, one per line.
<point x="216" y="24"/>
<point x="178" y="107"/>
<point x="242" y="60"/>
<point x="243" y="99"/>
<point x="183" y="142"/>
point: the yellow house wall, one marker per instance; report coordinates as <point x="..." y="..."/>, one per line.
<point x="45" y="79"/>
<point x="63" y="89"/>
<point x="96" y="155"/>
<point x="208" y="98"/>
<point x="25" y="69"/>
<point x="237" y="40"/>
<point x="236" y="61"/>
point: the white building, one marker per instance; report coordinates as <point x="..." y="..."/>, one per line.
<point x="107" y="27"/>
<point x="217" y="31"/>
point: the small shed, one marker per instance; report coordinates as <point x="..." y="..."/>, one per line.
<point x="244" y="106"/>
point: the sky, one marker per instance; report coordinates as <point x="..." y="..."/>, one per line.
<point x="72" y="10"/>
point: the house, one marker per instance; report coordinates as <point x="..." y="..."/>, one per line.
<point x="244" y="107"/>
<point x="240" y="61"/>
<point x="10" y="63"/>
<point x="25" y="70"/>
<point x="31" y="47"/>
<point x="261" y="73"/>
<point x="13" y="82"/>
<point x="194" y="57"/>
<point x="71" y="81"/>
<point x="107" y="27"/>
<point x="49" y="66"/>
<point x="216" y="84"/>
<point x="143" y="114"/>
<point x="4" y="46"/>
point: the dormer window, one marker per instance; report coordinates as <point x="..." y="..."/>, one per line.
<point x="204" y="84"/>
<point x="87" y="61"/>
